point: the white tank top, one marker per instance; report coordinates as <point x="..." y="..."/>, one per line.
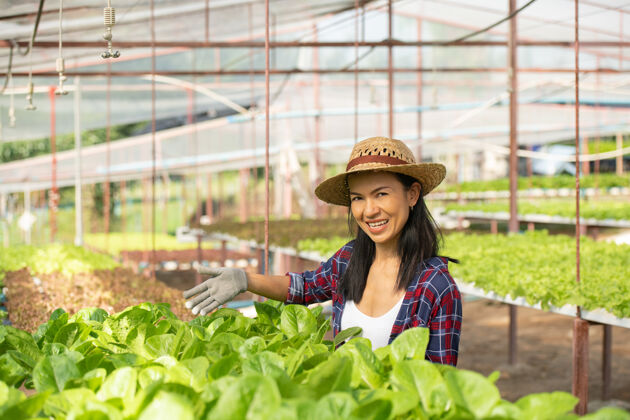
<point x="378" y="329"/>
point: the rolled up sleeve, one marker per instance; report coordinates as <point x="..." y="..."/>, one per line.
<point x="317" y="285"/>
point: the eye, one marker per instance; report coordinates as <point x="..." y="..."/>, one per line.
<point x="380" y="194"/>
<point x="355" y="198"/>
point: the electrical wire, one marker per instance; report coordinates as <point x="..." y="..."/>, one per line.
<point x="489" y="27"/>
<point x="453" y="41"/>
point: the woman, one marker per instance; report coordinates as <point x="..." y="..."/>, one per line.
<point x="386" y="280"/>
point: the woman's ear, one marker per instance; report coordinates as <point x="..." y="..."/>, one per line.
<point x="413" y="194"/>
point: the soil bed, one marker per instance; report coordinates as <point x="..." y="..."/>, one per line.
<point x="30" y="305"/>
<point x="544" y="352"/>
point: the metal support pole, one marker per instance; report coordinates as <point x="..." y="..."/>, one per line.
<point x="580" y="326"/>
<point x="513" y="85"/>
<point x="266" y="137"/>
<point x="580" y="364"/>
<point x="390" y="73"/>
<point x="419" y="94"/>
<point x="78" y="186"/>
<point x="318" y="125"/>
<point x="606" y="361"/>
<point x="106" y="189"/>
<point x="54" y="194"/>
<point x="512" y="347"/>
<point x="513" y="222"/>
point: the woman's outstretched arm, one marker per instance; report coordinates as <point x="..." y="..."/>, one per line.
<point x="272" y="287"/>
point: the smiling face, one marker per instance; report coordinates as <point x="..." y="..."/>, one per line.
<point x="380" y="204"/>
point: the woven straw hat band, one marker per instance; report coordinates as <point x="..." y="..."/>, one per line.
<point x="362" y="160"/>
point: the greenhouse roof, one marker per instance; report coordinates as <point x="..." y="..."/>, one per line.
<point x="209" y="62"/>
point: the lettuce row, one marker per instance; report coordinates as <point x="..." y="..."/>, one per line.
<point x="600" y="209"/>
<point x="534" y="265"/>
<point x="144" y="363"/>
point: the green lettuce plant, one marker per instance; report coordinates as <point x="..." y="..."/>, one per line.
<point x="145" y="363"/>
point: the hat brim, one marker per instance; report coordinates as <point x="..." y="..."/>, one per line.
<point x="334" y="190"/>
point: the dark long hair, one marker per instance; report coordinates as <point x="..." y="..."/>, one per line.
<point x="419" y="240"/>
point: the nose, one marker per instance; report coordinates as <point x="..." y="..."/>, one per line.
<point x="371" y="208"/>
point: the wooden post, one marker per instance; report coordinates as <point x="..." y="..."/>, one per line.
<point x="494" y="227"/>
<point x="531" y="227"/>
<point x="580" y="364"/>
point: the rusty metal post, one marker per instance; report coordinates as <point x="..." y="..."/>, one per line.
<point x="606" y="361"/>
<point x="54" y="194"/>
<point x="106" y="186"/>
<point x="419" y="92"/>
<point x="580" y="364"/>
<point x="267" y="94"/>
<point x="580" y="326"/>
<point x="318" y="125"/>
<point x="512" y="346"/>
<point x="513" y="85"/>
<point x="390" y="72"/>
<point x="513" y="225"/>
<point x="356" y="68"/>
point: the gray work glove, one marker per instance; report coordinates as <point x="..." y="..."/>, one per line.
<point x="223" y="285"/>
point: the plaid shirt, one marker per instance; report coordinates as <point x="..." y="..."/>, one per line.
<point x="432" y="300"/>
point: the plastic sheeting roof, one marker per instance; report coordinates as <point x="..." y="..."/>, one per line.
<point x="461" y="112"/>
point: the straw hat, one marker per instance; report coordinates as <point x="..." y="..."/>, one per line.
<point x="380" y="154"/>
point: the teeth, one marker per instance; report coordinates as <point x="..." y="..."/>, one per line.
<point x="377" y="224"/>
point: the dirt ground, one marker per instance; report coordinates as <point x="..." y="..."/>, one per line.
<point x="544" y="361"/>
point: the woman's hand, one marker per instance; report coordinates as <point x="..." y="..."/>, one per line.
<point x="223" y="285"/>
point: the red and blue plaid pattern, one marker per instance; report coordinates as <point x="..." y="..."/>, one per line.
<point x="432" y="300"/>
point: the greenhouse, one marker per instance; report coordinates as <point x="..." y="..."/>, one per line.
<point x="341" y="209"/>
